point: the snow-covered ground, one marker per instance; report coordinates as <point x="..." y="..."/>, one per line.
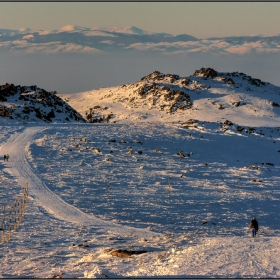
<point x="85" y="202"/>
<point x="181" y="192"/>
<point x="229" y="96"/>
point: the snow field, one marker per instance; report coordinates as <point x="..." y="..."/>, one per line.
<point x="198" y="225"/>
<point x="203" y="186"/>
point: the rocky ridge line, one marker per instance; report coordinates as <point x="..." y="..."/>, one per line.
<point x="31" y="103"/>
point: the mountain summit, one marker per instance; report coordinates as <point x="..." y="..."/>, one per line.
<point x="207" y="95"/>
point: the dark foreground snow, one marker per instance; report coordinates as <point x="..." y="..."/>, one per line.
<point x="190" y="213"/>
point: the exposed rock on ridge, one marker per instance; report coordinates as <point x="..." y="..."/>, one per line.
<point x="31" y="103"/>
<point x="162" y="96"/>
<point x="206" y="95"/>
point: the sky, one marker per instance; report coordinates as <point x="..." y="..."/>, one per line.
<point x="201" y="19"/>
<point x="77" y="72"/>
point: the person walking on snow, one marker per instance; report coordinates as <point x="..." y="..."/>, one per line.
<point x="4" y="157"/>
<point x="7" y="157"/>
<point x="254" y="226"/>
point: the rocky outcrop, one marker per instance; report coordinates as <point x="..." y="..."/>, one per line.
<point x="228" y="80"/>
<point x="166" y="92"/>
<point x="122" y="253"/>
<point x="227" y="122"/>
<point x="158" y="76"/>
<point x="275" y="104"/>
<point x="239" y="128"/>
<point x="247" y="78"/>
<point x="211" y="73"/>
<point x="206" y="73"/>
<point x="31" y="103"/>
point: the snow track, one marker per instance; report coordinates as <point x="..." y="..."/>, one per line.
<point x="18" y="147"/>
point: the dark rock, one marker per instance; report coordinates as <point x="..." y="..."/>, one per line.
<point x="239" y="128"/>
<point x="173" y="76"/>
<point x="274" y="104"/>
<point x="181" y="101"/>
<point x="250" y="130"/>
<point x="190" y="122"/>
<point x="2" y="98"/>
<point x="206" y="72"/>
<point x="158" y="76"/>
<point x="177" y="98"/>
<point x="227" y="122"/>
<point x="185" y="81"/>
<point x="154" y="76"/>
<point x="236" y="104"/>
<point x="255" y="82"/>
<point x="228" y="80"/>
<point x="125" y="253"/>
<point x="181" y="154"/>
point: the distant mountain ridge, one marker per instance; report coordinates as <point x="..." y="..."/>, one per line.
<point x="76" y="39"/>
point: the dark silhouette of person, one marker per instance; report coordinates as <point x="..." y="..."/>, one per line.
<point x="254" y="226"/>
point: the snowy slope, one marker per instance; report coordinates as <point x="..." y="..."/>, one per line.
<point x="20" y="168"/>
<point x="169" y="98"/>
<point x="178" y="179"/>
<point x="74" y="219"/>
<point x="33" y="104"/>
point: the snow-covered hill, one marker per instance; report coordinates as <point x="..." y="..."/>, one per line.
<point x="162" y="183"/>
<point x="207" y="95"/>
<point x="33" y="104"/>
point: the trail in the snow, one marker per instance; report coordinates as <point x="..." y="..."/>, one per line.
<point x="18" y="146"/>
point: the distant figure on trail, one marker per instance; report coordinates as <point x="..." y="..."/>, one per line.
<point x="4" y="157"/>
<point x="7" y="157"/>
<point x="254" y="226"/>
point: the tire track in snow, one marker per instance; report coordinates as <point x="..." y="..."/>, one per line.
<point x="18" y="147"/>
